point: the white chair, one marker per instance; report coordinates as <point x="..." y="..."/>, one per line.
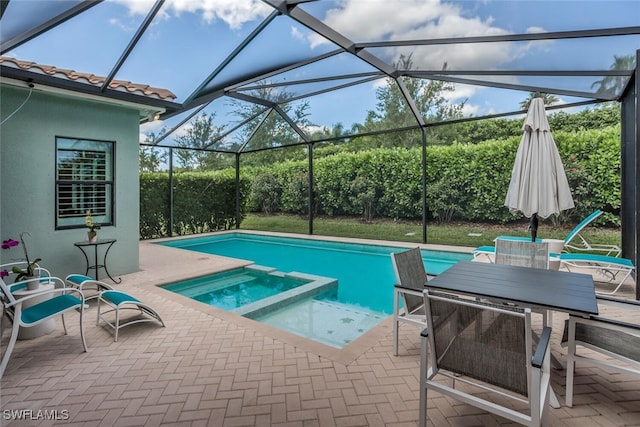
<point x="62" y="301"/>
<point x="84" y="283"/>
<point x="119" y="302"/>
<point x="616" y="344"/>
<point x="608" y="266"/>
<point x="490" y="349"/>
<point x="408" y="302"/>
<point x="576" y="242"/>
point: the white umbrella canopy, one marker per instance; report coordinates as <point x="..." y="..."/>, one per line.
<point x="539" y="185"/>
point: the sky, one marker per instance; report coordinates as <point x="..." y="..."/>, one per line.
<point x="190" y="38"/>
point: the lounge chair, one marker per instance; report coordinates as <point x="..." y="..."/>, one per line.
<point x="574" y="241"/>
<point x="608" y="266"/>
<point x="62" y="300"/>
<point x="408" y="301"/>
<point x="120" y="301"/>
<point x="488" y="348"/>
<point x="617" y="342"/>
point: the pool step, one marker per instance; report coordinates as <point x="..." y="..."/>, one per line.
<point x="318" y="285"/>
<point x="329" y="322"/>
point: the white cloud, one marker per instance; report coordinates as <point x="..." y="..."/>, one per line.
<point x="429" y="19"/>
<point x="297" y="34"/>
<point x="421" y="19"/>
<point x="234" y="13"/>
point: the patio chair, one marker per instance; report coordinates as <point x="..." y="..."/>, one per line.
<point x="83" y="283"/>
<point x="608" y="266"/>
<point x="489" y="348"/>
<point x="523" y="254"/>
<point x="611" y="344"/>
<point x="39" y="270"/>
<point x="120" y="301"/>
<point x="61" y="301"/>
<point x="408" y="301"/>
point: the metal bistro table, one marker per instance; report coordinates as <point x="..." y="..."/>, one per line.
<point x="96" y="266"/>
<point x="572" y="293"/>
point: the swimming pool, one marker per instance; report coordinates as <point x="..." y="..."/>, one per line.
<point x="364" y="272"/>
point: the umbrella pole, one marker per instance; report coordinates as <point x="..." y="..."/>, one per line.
<point x="533" y="226"/>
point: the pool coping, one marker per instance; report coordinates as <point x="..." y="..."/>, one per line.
<point x="199" y="264"/>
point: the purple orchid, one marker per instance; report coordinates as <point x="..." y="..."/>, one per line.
<point x="9" y="243"/>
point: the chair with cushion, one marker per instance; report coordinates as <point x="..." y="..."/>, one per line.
<point x="120" y="302"/>
<point x="61" y="301"/>
<point x="408" y="302"/>
<point x="603" y="341"/>
<point x="608" y="266"/>
<point x="11" y="274"/>
<point x="489" y="349"/>
<point x="575" y="241"/>
<point x="84" y="283"/>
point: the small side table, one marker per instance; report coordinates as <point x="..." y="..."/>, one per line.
<point x="43" y="328"/>
<point x="96" y="266"/>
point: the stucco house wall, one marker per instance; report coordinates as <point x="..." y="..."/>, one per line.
<point x="27" y="176"/>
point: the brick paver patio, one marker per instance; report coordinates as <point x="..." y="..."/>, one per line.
<point x="212" y="368"/>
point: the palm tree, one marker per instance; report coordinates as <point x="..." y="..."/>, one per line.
<point x="547" y="99"/>
<point x="615" y="84"/>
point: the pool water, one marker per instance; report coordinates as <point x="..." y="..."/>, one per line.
<point x="364" y="272"/>
<point x="233" y="289"/>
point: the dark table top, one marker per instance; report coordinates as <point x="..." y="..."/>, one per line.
<point x="527" y="287"/>
<point x="98" y="242"/>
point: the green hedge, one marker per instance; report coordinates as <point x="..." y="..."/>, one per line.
<point x="202" y="202"/>
<point x="464" y="182"/>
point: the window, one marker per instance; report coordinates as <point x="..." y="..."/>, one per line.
<point x="84" y="182"/>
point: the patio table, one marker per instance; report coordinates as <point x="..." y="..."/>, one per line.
<point x="572" y="293"/>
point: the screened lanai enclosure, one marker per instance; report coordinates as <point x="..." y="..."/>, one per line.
<point x="240" y="77"/>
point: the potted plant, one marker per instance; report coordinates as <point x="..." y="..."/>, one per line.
<point x="29" y="272"/>
<point x="92" y="235"/>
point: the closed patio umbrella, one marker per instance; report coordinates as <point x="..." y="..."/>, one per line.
<point x="539" y="186"/>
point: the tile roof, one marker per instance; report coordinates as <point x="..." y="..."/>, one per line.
<point x="121" y="85"/>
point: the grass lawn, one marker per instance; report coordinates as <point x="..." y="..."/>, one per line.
<point x="457" y="234"/>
